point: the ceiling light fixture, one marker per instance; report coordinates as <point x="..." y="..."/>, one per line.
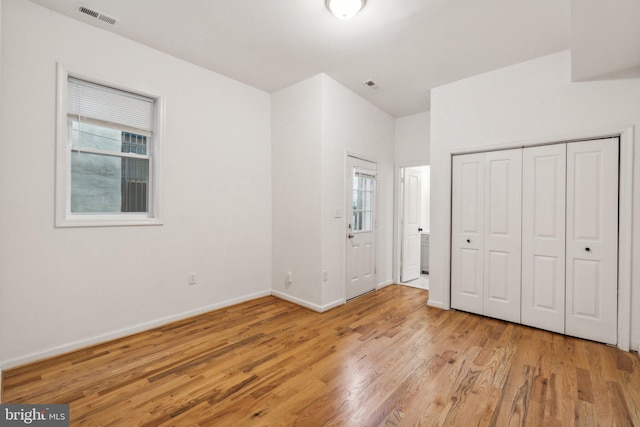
<point x="345" y="9"/>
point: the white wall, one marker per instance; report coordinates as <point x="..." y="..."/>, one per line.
<point x="412" y="139"/>
<point x="605" y="39"/>
<point x="315" y="123"/>
<point x="425" y="197"/>
<point x="62" y="287"/>
<point x="353" y="125"/>
<point x="425" y="200"/>
<point x="534" y="100"/>
<point x="296" y="176"/>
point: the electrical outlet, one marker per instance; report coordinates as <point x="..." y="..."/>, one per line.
<point x="192" y="278"/>
<point x="289" y="279"/>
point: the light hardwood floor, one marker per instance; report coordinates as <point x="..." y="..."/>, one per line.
<point x="382" y="359"/>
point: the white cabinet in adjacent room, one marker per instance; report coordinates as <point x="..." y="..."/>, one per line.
<point x="424" y="253"/>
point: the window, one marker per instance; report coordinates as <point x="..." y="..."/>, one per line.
<point x="107" y="155"/>
<point x="363" y="187"/>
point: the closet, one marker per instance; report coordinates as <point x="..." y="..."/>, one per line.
<point x="486" y="236"/>
<point x="534" y="236"/>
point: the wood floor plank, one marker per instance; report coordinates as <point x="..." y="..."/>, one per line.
<point x="385" y="358"/>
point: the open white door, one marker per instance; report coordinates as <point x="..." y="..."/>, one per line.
<point x="361" y="233"/>
<point x="411" y="225"/>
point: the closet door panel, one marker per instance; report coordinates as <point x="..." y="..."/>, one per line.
<point x="592" y="240"/>
<point x="543" y="237"/>
<point x="467" y="224"/>
<point x="502" y="236"/>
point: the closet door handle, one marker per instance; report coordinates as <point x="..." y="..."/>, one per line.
<point x="468" y="241"/>
<point x="587" y="249"/>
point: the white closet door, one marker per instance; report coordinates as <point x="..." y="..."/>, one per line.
<point x="467" y="232"/>
<point x="543" y="236"/>
<point x="502" y="236"/>
<point x="592" y="242"/>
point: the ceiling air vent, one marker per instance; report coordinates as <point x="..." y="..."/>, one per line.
<point x="89" y="12"/>
<point x="370" y="83"/>
<point x="107" y="19"/>
<point x="97" y="15"/>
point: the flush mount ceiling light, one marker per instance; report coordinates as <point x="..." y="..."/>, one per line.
<point x="345" y="9"/>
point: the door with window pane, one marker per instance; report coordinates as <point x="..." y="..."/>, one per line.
<point x="361" y="235"/>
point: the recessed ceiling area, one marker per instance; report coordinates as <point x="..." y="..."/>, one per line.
<point x="605" y="39"/>
<point x="407" y="47"/>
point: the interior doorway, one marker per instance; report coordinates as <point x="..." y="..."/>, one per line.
<point x="414" y="229"/>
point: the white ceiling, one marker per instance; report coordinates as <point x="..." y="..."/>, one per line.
<point x="406" y="46"/>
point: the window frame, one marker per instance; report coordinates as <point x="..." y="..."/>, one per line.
<point x="63" y="215"/>
<point x="366" y="194"/>
<point x="372" y="175"/>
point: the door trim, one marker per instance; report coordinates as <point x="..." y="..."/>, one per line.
<point x="625" y="217"/>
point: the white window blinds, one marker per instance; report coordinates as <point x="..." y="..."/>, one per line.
<point x="94" y="101"/>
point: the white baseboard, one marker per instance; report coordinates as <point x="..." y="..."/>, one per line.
<point x="385" y="284"/>
<point x="305" y="303"/>
<point x="411" y="285"/>
<point x="436" y="304"/>
<point x="98" y="339"/>
<point x="316" y="307"/>
<point x="333" y="304"/>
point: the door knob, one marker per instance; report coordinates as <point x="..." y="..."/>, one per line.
<point x="419" y="229"/>
<point x="350" y="236"/>
<point x="587" y="249"/>
<point x="468" y="241"/>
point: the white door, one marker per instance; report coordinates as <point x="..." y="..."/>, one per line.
<point x="361" y="235"/>
<point x="592" y="240"/>
<point x="467" y="232"/>
<point x="411" y="225"/>
<point x="502" y="234"/>
<point x="543" y="237"/>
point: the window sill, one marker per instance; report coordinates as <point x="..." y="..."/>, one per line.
<point x="106" y="221"/>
